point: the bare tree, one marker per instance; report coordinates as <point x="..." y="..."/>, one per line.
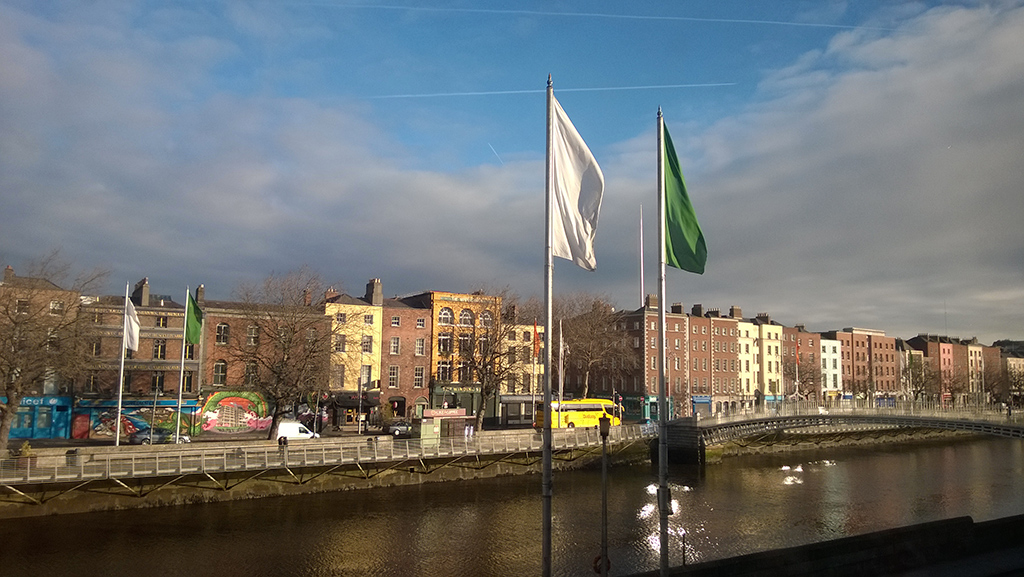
<point x="43" y="339"/>
<point x="958" y="384"/>
<point x="808" y="374"/>
<point x="1014" y="385"/>
<point x="491" y="348"/>
<point x="286" y="349"/>
<point x="996" y="382"/>
<point x="593" y="343"/>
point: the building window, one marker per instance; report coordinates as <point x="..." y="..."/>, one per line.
<point x="421" y="323"/>
<point x="465" y="344"/>
<point x="251" y="374"/>
<point x="340" y="317"/>
<point x="486" y="319"/>
<point x="395" y="345"/>
<point x="466" y="318"/>
<point x="161" y="322"/>
<point x="92" y="383"/>
<point x="252" y="336"/>
<point x="339" y="343"/>
<point x="190" y="352"/>
<point x="417" y="377"/>
<point x="159" y="349"/>
<point x="223" y="332"/>
<point x="158" y="382"/>
<point x="220" y="373"/>
<point x="56" y="307"/>
<point x="367" y="343"/>
<point x="96" y="349"/>
<point x="465" y="372"/>
<point x="444" y="343"/>
<point x="393" y="376"/>
<point x="396" y="321"/>
<point x="367" y="319"/>
<point x="444" y="370"/>
<point x="421" y="347"/>
<point x="445" y="316"/>
<point x="366" y="375"/>
<point x="188" y="382"/>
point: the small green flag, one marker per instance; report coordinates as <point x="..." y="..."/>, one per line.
<point x="684" y="241"/>
<point x="193" y="321"/>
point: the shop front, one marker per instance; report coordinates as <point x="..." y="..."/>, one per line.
<point x="46" y="417"/>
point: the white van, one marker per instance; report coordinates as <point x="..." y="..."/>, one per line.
<point x="294" y="430"/>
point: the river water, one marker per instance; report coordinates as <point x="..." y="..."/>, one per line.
<point x="493" y="526"/>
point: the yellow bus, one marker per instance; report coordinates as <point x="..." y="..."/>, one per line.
<point x="578" y="413"/>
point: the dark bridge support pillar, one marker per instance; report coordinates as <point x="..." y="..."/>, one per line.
<point x="685" y="443"/>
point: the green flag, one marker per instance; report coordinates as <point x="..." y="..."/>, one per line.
<point x="684" y="241"/>
<point x="193" y="321"/>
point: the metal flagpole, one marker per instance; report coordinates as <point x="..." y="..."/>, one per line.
<point x="664" y="503"/>
<point x="549" y="267"/>
<point x="120" y="382"/>
<point x="642" y="289"/>
<point x="181" y="373"/>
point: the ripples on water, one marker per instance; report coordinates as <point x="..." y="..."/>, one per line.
<point x="493" y="527"/>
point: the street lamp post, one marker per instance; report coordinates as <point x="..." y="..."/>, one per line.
<point x="605" y="424"/>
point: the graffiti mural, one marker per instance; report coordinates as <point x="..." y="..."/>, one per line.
<point x="235" y="412"/>
<point x="96" y="419"/>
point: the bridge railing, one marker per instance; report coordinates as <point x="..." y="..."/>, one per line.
<point x="200" y="458"/>
<point x="990" y="413"/>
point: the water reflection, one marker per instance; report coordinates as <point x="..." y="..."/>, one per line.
<point x="493" y="527"/>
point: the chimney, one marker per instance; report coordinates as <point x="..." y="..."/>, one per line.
<point x="735" y="312"/>
<point x="800" y="329"/>
<point x="8" y="274"/>
<point x="140" y="294"/>
<point x="764" y="318"/>
<point x="375" y="292"/>
<point x="714" y="313"/>
<point x="307" y="297"/>
<point x="201" y="294"/>
<point x="330" y="294"/>
<point x="677" y="308"/>
<point x="651" y="302"/>
<point x="697" y="310"/>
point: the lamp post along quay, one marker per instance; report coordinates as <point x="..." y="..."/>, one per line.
<point x="603" y="561"/>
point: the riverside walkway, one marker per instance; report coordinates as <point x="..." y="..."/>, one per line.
<point x="57" y="471"/>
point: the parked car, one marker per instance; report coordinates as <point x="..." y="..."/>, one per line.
<point x="398" y="428"/>
<point x="150" y="436"/>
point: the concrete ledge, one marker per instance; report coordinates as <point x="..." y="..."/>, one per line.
<point x="923" y="549"/>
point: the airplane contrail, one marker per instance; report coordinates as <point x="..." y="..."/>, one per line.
<point x="535" y="91"/>
<point x="598" y="15"/>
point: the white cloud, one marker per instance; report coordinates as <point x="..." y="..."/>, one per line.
<point x="873" y="182"/>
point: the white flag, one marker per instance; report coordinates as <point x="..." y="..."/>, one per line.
<point x="578" y="186"/>
<point x="131" y="327"/>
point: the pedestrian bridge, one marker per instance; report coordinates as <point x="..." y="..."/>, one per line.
<point x="687" y="437"/>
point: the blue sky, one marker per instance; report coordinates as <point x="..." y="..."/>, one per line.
<point x="851" y="163"/>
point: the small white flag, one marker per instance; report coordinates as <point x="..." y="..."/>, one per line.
<point x="131" y="327"/>
<point x="578" y="186"/>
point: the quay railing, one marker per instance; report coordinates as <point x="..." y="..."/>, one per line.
<point x="985" y="413"/>
<point x="110" y="463"/>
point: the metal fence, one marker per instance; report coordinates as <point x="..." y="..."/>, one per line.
<point x="180" y="460"/>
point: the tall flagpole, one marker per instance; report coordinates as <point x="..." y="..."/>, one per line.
<point x="643" y="290"/>
<point x="549" y="267"/>
<point x="120" y="382"/>
<point x="664" y="501"/>
<point x="181" y="373"/>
